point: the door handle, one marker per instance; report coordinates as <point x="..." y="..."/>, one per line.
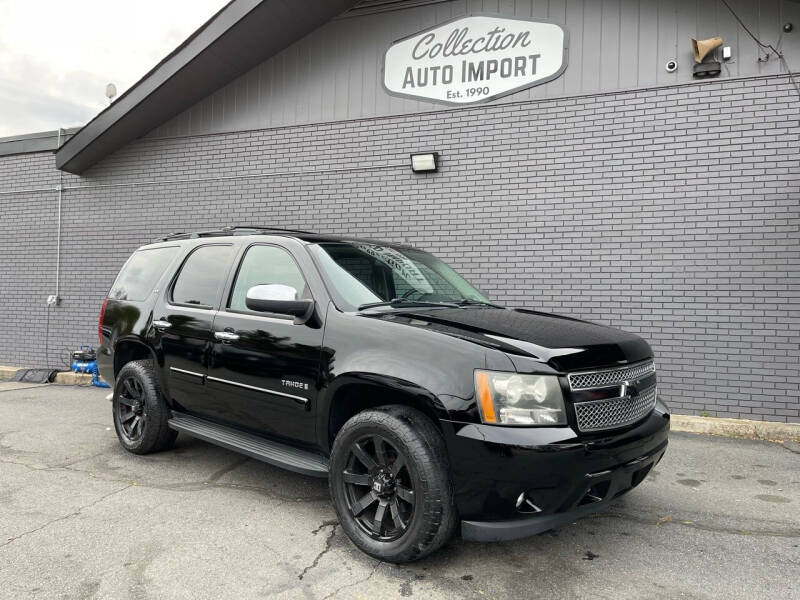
<point x="226" y="336"/>
<point x="162" y="324"/>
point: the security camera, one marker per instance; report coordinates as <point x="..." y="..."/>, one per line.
<point x="671" y="66"/>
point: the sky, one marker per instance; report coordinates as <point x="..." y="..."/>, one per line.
<point x="57" y="56"/>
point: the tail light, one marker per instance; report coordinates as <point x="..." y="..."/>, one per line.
<point x="100" y="322"/>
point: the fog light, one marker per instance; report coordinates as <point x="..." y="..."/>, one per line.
<point x="526" y="505"/>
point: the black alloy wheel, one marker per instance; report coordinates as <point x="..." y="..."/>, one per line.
<point x="141" y="414"/>
<point x="379" y="489"/>
<point x="390" y="483"/>
<point x="131" y="410"/>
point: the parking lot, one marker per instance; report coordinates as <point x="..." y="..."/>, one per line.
<point x="80" y="518"/>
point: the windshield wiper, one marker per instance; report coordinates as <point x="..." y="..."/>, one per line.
<point x="472" y="302"/>
<point x="403" y="302"/>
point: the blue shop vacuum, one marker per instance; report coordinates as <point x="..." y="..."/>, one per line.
<point x="85" y="361"/>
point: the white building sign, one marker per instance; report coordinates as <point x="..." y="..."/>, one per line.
<point x="475" y="59"/>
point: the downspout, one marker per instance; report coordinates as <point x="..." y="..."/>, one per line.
<point x="58" y="235"/>
<point x="55" y="300"/>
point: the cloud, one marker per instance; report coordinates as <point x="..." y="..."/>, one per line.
<point x="56" y="57"/>
<point x="36" y="96"/>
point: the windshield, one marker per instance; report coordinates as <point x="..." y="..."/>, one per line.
<point x="368" y="273"/>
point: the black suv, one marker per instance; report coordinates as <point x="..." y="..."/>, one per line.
<point x="376" y="365"/>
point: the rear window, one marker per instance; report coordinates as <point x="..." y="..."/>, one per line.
<point x="139" y="275"/>
<point x="203" y="275"/>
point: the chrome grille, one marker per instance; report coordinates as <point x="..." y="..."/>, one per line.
<point x="614" y="412"/>
<point x="609" y="377"/>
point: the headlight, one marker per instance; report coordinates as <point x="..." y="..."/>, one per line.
<point x="513" y="399"/>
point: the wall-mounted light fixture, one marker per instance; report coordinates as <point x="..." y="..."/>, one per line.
<point x="427" y="162"/>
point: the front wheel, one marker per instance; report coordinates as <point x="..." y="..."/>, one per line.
<point x="390" y="484"/>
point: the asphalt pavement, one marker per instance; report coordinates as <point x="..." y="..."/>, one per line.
<point x="81" y="518"/>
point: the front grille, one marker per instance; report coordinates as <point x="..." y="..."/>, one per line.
<point x="612" y="413"/>
<point x="609" y="377"/>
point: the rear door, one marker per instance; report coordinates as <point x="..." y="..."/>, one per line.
<point x="267" y="366"/>
<point x="127" y="309"/>
<point x="184" y="323"/>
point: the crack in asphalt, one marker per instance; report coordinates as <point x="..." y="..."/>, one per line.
<point x="325" y="524"/>
<point x="45" y="467"/>
<point x="79" y="460"/>
<point x="790" y="533"/>
<point x="355" y="583"/>
<point x="219" y="474"/>
<point x="328" y="544"/>
<point x="26" y="465"/>
<point x="3" y="435"/>
<point x="28" y="386"/>
<point x="74" y="513"/>
<point x="190" y="486"/>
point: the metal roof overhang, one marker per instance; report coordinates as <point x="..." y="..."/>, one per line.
<point x="239" y="37"/>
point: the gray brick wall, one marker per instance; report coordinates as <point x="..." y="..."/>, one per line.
<point x="672" y="213"/>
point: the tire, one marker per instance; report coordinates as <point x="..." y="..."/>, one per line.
<point x="414" y="460"/>
<point x="137" y="396"/>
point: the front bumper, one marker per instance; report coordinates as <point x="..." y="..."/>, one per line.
<point x="614" y="482"/>
<point x="564" y="476"/>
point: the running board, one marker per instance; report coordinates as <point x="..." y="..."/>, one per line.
<point x="256" y="447"/>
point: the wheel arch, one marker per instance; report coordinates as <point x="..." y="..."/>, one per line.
<point x="129" y="349"/>
<point x="353" y="393"/>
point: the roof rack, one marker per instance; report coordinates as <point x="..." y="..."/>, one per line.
<point x="232" y="230"/>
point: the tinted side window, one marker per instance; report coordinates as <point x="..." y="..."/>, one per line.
<point x="139" y="275"/>
<point x="262" y="265"/>
<point x="202" y="276"/>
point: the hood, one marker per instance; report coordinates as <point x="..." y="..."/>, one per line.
<point x="564" y="343"/>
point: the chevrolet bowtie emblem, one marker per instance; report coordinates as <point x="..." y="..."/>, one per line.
<point x="629" y="389"/>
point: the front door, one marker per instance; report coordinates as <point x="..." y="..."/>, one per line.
<point x="266" y="365"/>
<point x="183" y="322"/>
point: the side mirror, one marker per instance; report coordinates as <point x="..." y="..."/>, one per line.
<point x="277" y="299"/>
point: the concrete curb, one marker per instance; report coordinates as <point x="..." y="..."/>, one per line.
<point x="63" y="378"/>
<point x="8" y="372"/>
<point x="70" y="378"/>
<point x="737" y="428"/>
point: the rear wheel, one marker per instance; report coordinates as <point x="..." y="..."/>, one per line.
<point x="140" y="413"/>
<point x="390" y="484"/>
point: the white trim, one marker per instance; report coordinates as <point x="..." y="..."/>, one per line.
<point x="184" y="371"/>
<point x="258" y="389"/>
